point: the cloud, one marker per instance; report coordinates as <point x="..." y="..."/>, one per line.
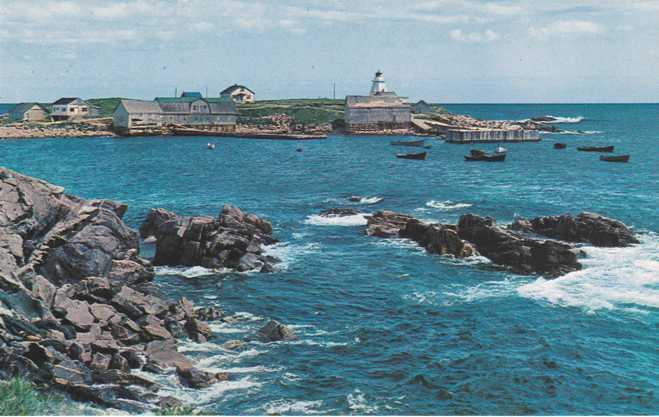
<point x="567" y="27"/>
<point x="474" y="37"/>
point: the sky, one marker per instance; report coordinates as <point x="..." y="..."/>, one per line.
<point x="445" y="51"/>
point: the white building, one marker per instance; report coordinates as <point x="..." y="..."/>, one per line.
<point x="68" y="108"/>
<point x="379" y="86"/>
<point x="239" y="94"/>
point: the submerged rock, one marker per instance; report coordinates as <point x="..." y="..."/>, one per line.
<point x="338" y="212"/>
<point x="275" y="331"/>
<point x="232" y="240"/>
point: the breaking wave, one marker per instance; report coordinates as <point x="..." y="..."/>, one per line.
<point x="578" y="132"/>
<point x="561" y="119"/>
<point x="612" y="278"/>
<point x="354" y="220"/>
<point x="446" y="205"/>
<point x="287" y="253"/>
<point x="369" y="200"/>
<point x="297" y="407"/>
<point x="189" y="271"/>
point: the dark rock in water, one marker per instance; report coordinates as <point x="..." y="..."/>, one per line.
<point x="164" y="354"/>
<point x="437" y="238"/>
<point x="586" y="227"/>
<point x="386" y="223"/>
<point x="232" y="240"/>
<point x="196" y="378"/>
<point x="275" y="331"/>
<point x="338" y="212"/>
<point x="522" y="255"/>
<point x="355" y="198"/>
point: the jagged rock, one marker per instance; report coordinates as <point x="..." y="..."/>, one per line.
<point x="71" y="372"/>
<point x="386" y="223"/>
<point x="208" y="313"/>
<point x="232" y="240"/>
<point x="338" y="212"/>
<point x="104" y="313"/>
<point x="275" y="331"/>
<point x="134" y="359"/>
<point x="437" y="238"/>
<point x="78" y="314"/>
<point x="232" y="344"/>
<point x="197" y="330"/>
<point x="98" y="286"/>
<point x="100" y="361"/>
<point x="195" y="378"/>
<point x="119" y="362"/>
<point x="39" y="354"/>
<point x="43" y="290"/>
<point x="585" y="227"/>
<point x="164" y="354"/>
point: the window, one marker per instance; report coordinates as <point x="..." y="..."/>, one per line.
<point x="83" y="109"/>
<point x="72" y="110"/>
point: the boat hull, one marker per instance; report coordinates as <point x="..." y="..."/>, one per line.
<point x="415" y="156"/>
<point x="486" y="158"/>
<point x="415" y="143"/>
<point x="596" y="148"/>
<point x="618" y="158"/>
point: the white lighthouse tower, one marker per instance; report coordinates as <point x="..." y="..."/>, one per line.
<point x="379" y="86"/>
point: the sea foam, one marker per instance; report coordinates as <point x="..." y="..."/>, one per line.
<point x="353" y="220"/>
<point x="612" y="278"/>
<point x="447" y="205"/>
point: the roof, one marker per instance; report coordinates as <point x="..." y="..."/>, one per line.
<point x="140" y="106"/>
<point x="67" y="100"/>
<point x="23" y="107"/>
<point x="221" y="105"/>
<point x="176" y="99"/>
<point x="217" y="104"/>
<point x="194" y="94"/>
<point x="375" y="101"/>
<point x="233" y="88"/>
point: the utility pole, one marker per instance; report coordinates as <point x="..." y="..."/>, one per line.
<point x="206" y="92"/>
<point x="333" y="90"/>
<point x="175" y="91"/>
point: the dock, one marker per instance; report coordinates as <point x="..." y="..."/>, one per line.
<point x="491" y="135"/>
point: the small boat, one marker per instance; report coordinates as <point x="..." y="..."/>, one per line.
<point x="298" y="150"/>
<point x="595" y="148"/>
<point x="559" y="145"/>
<point x="500" y="149"/>
<point x="416" y="143"/>
<point x="480" y="155"/>
<point x="418" y="156"/>
<point x="210" y="146"/>
<point x="616" y="158"/>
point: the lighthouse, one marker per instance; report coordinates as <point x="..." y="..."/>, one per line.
<point x="379" y="86"/>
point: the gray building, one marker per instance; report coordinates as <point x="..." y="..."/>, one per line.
<point x="28" y="112"/>
<point x="141" y="117"/>
<point x="380" y="110"/>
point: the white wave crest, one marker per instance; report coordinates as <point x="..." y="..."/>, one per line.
<point x="446" y="205"/>
<point x="189" y="271"/>
<point x="354" y="220"/>
<point x="612" y="278"/>
<point x="563" y="119"/>
<point x="370" y="200"/>
<point x="287" y="252"/>
<point x="297" y="407"/>
<point x="578" y="132"/>
<point x="357" y="402"/>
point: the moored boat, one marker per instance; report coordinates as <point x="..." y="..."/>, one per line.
<point x="480" y="155"/>
<point x="595" y="148"/>
<point x="415" y="143"/>
<point x="615" y="158"/>
<point x="418" y="156"/>
<point x="559" y="145"/>
<point x="210" y="146"/>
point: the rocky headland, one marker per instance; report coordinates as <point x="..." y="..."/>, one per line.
<point x="78" y="309"/>
<point x="543" y="245"/>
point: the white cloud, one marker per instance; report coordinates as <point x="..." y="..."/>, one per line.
<point x="474" y="37"/>
<point x="503" y="9"/>
<point x="567" y="27"/>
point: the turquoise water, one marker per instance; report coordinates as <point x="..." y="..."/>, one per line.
<point x="384" y="328"/>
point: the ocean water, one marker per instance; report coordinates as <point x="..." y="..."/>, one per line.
<point x="382" y="327"/>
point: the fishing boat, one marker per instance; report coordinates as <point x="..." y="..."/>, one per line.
<point x="418" y="156"/>
<point x="595" y="148"/>
<point x="480" y="155"/>
<point x="615" y="158"/>
<point x="559" y="145"/>
<point x="244" y="135"/>
<point x="415" y="143"/>
<point x="210" y="146"/>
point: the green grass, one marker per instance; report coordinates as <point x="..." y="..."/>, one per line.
<point x="305" y="111"/>
<point x="19" y="397"/>
<point x="106" y="105"/>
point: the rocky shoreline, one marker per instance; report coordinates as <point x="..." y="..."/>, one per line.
<point x="78" y="309"/>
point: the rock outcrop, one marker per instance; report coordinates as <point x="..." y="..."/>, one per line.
<point x="475" y="235"/>
<point x="78" y="310"/>
<point x="585" y="228"/>
<point x="232" y="240"/>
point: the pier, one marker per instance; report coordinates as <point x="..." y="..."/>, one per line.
<point x="491" y="135"/>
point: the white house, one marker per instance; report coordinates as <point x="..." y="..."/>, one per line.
<point x="68" y="108"/>
<point x="239" y="94"/>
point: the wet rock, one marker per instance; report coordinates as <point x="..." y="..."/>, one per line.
<point x="338" y="212"/>
<point x="208" y="313"/>
<point x="233" y="240"/>
<point x="437" y="238"/>
<point x="586" y="227"/>
<point x="164" y="354"/>
<point x="275" y="331"/>
<point x="386" y="224"/>
<point x="232" y="344"/>
<point x="197" y="330"/>
<point x="195" y="378"/>
<point x="154" y="220"/>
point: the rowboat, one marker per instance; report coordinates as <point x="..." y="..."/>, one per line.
<point x="418" y="156"/>
<point x="415" y="143"/>
<point x="480" y="155"/>
<point x="559" y="145"/>
<point x="595" y="148"/>
<point x="616" y="158"/>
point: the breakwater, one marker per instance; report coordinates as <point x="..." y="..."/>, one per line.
<point x="491" y="135"/>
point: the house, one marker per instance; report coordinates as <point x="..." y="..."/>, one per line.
<point x="28" y="112"/>
<point x="137" y="117"/>
<point x="133" y="117"/>
<point x="381" y="109"/>
<point x="421" y="107"/>
<point x="239" y="94"/>
<point x="193" y="94"/>
<point x="68" y="108"/>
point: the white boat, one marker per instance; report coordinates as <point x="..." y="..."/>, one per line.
<point x="210" y="146"/>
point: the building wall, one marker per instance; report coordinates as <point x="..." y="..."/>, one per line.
<point x="247" y="96"/>
<point x="70" y="111"/>
<point x="377" y="118"/>
<point x="35" y="114"/>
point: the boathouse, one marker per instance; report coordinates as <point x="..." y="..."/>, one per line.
<point x="378" y="111"/>
<point x="135" y="117"/>
<point x="68" y="108"/>
<point x="239" y="94"/>
<point x="28" y="112"/>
